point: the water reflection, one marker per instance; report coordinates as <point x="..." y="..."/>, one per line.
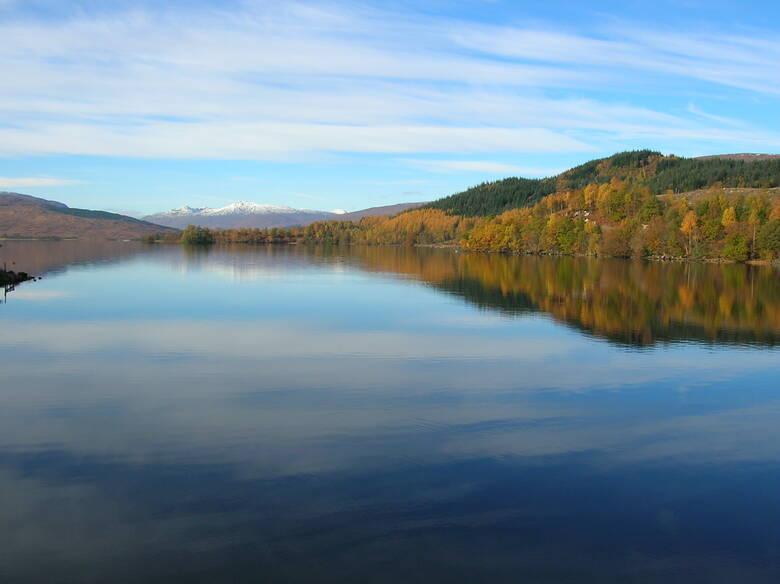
<point x="52" y="257"/>
<point x="634" y="303"/>
<point x="284" y="414"/>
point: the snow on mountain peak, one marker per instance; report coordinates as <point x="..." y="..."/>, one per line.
<point x="185" y="210"/>
<point x="248" y="208"/>
<point x="237" y="208"/>
<point x="239" y="213"/>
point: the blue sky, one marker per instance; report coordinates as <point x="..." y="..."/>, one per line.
<point x="143" y="106"/>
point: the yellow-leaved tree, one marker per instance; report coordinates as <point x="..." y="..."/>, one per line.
<point x="689" y="227"/>
<point x="729" y="217"/>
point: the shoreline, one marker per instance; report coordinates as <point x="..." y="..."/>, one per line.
<point x="660" y="259"/>
<point x="6" y="276"/>
<point x="459" y="249"/>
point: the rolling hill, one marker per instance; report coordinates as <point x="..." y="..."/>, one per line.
<point x="384" y="211"/>
<point x="26" y="216"/>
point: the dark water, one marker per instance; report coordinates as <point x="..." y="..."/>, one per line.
<point x="386" y="415"/>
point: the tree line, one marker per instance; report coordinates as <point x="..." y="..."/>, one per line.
<point x="424" y="226"/>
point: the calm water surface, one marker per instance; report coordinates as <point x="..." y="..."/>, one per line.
<point x="255" y="414"/>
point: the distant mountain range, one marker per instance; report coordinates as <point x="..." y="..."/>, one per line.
<point x="244" y="214"/>
<point x="23" y="216"/>
<point x="239" y="214"/>
<point x="26" y="216"/>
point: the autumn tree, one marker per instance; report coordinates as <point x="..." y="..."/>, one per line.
<point x="689" y="228"/>
<point x="729" y="217"/>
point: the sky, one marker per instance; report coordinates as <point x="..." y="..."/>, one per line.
<point x="140" y="106"/>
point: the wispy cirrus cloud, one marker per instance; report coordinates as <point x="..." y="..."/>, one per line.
<point x="8" y="182"/>
<point x="287" y="81"/>
<point x="273" y="140"/>
<point x="748" y="62"/>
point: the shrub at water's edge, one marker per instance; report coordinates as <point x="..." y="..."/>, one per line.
<point x="194" y="235"/>
<point x="9" y="278"/>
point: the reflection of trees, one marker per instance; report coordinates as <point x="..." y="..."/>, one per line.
<point x="632" y="302"/>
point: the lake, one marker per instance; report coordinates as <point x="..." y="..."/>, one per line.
<point x="378" y="414"/>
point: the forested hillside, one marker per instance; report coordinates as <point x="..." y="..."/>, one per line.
<point x="495" y="197"/>
<point x="644" y="167"/>
<point x="624" y="219"/>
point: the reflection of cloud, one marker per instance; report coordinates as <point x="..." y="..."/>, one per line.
<point x="241" y="269"/>
<point x="327" y="398"/>
<point x="198" y="519"/>
<point x="239" y="340"/>
<point x="741" y="434"/>
<point x="41" y="295"/>
<point x="223" y="440"/>
<point x="235" y="272"/>
<point x="269" y="430"/>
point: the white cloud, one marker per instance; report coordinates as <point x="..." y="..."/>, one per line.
<point x="695" y="110"/>
<point x="8" y="182"/>
<point x="285" y="81"/>
<point x="747" y="62"/>
<point x="273" y="140"/>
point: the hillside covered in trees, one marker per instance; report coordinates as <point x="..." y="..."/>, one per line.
<point x="660" y="174"/>
<point x="623" y="219"/>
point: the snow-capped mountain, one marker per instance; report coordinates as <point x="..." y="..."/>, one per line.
<point x="247" y="208"/>
<point x="239" y="214"/>
<point x="181" y="211"/>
